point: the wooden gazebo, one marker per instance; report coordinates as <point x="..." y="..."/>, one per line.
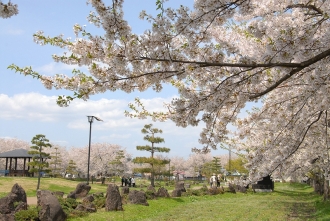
<point x="11" y="167"/>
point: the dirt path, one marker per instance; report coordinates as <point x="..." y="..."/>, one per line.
<point x="31" y="200"/>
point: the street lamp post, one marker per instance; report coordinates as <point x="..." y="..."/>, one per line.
<point x="90" y="120"/>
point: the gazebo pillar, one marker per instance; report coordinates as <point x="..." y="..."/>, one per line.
<point x="24" y="173"/>
<point x="15" y="163"/>
<point x="6" y="163"/>
<point x="10" y="163"/>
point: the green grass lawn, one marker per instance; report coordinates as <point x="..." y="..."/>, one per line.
<point x="287" y="202"/>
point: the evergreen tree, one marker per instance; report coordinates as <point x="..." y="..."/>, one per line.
<point x="72" y="168"/>
<point x="152" y="161"/>
<point x="56" y="163"/>
<point x="38" y="163"/>
<point x="216" y="162"/>
<point x="117" y="164"/>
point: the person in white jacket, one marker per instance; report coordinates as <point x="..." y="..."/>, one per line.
<point x="133" y="182"/>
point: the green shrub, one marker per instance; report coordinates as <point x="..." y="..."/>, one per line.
<point x="68" y="204"/>
<point x="150" y="195"/>
<point x="31" y="214"/>
<point x="99" y="202"/>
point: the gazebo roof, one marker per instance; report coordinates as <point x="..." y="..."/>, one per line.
<point x="19" y="153"/>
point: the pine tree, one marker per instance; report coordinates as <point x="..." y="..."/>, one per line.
<point x="117" y="164"/>
<point x="72" y="168"/>
<point x="152" y="161"/>
<point x="56" y="163"/>
<point x="38" y="163"/>
<point x="216" y="164"/>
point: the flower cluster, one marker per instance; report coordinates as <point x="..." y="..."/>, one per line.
<point x="8" y="10"/>
<point x="220" y="55"/>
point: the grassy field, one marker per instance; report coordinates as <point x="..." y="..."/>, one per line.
<point x="287" y="202"/>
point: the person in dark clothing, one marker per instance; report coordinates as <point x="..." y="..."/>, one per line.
<point x="122" y="180"/>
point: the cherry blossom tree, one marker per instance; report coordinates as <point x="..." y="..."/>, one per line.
<point x="195" y="163"/>
<point x="102" y="154"/>
<point x="8" y="10"/>
<point x="220" y="55"/>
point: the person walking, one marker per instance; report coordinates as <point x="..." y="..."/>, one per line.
<point x="122" y="180"/>
<point x="133" y="181"/>
<point x="218" y="180"/>
<point x="214" y="180"/>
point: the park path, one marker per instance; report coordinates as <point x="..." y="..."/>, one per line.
<point x="31" y="200"/>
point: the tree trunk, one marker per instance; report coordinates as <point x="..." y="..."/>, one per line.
<point x="326" y="186"/>
<point x="152" y="177"/>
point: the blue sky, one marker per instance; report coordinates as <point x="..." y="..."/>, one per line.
<point x="27" y="108"/>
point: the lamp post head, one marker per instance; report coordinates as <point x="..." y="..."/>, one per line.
<point x="90" y="119"/>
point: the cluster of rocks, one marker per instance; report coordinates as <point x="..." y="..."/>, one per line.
<point x="15" y="201"/>
<point x="50" y="207"/>
<point x="237" y="188"/>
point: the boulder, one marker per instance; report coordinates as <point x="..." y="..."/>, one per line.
<point x="91" y="208"/>
<point x="151" y="188"/>
<point x="232" y="188"/>
<point x="7" y="217"/>
<point x="138" y="197"/>
<point x="176" y="193"/>
<point x="180" y="186"/>
<point x="88" y="199"/>
<point x="17" y="195"/>
<point x="82" y="190"/>
<point x="50" y="208"/>
<point x="162" y="192"/>
<point x="113" y="200"/>
<point x="125" y="190"/>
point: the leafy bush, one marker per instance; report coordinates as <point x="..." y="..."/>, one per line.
<point x="68" y="204"/>
<point x="31" y="214"/>
<point x="150" y="195"/>
<point x="99" y="201"/>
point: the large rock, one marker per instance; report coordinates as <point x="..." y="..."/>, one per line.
<point x="232" y="188"/>
<point x="151" y="188"/>
<point x="162" y="192"/>
<point x="113" y="200"/>
<point x="82" y="190"/>
<point x="125" y="190"/>
<point x="7" y="217"/>
<point x="91" y="208"/>
<point x="17" y="196"/>
<point x="88" y="199"/>
<point x="180" y="186"/>
<point x="138" y="197"/>
<point x="50" y="208"/>
<point x="176" y="193"/>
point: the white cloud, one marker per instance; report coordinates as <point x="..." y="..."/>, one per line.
<point x="15" y="31"/>
<point x="67" y="124"/>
